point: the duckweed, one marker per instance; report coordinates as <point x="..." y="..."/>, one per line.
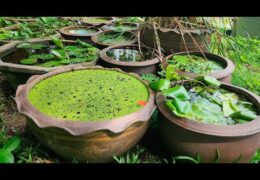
<point x="89" y="95"/>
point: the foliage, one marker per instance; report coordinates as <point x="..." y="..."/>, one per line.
<point x="130" y="157"/>
<point x="114" y="37"/>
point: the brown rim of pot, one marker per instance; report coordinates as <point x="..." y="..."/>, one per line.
<point x="236" y="130"/>
<point x="228" y="69"/>
<point x="65" y="31"/>
<point x="95" y="36"/>
<point x="7" y="48"/>
<point x="104" y="27"/>
<point x="109" y="21"/>
<point x="20" y="19"/>
<point x="116" y="125"/>
<point x="105" y="57"/>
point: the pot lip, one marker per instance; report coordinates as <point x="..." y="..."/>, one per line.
<point x="95" y="36"/>
<point x="237" y="130"/>
<point x="227" y="71"/>
<point x="64" y="31"/>
<point x="115" y="125"/>
<point x="104" y="27"/>
<point x="105" y="57"/>
<point x="111" y="19"/>
<point x="5" y="66"/>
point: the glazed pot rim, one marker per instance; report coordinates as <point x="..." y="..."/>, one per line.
<point x="123" y="23"/>
<point x="236" y="130"/>
<point x="95" y="36"/>
<point x="105" y="57"/>
<point x="109" y="21"/>
<point x="22" y="68"/>
<point x="227" y="71"/>
<point x="115" y="125"/>
<point x="65" y="31"/>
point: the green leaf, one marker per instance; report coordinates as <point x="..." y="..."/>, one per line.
<point x="56" y="53"/>
<point x="181" y="106"/>
<point x="42" y="56"/>
<point x="170" y="72"/>
<point x="176" y="92"/>
<point x="6" y="156"/>
<point x="228" y="107"/>
<point x="28" y="61"/>
<point x="50" y="64"/>
<point x="64" y="61"/>
<point x="12" y="144"/>
<point x="160" y="84"/>
<point x="84" y="44"/>
<point x="181" y="58"/>
<point x="211" y="81"/>
<point x="71" y="48"/>
<point x="78" y="60"/>
<point x="31" y="46"/>
<point x="57" y="42"/>
<point x="187" y="158"/>
<point x="244" y="115"/>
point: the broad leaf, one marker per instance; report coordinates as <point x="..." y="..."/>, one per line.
<point x="31" y="46"/>
<point x="211" y="81"/>
<point x="42" y="56"/>
<point x="177" y="92"/>
<point x="160" y="84"/>
<point x="6" y="156"/>
<point x="12" y="144"/>
<point x="182" y="106"/>
<point x="244" y="115"/>
<point x="228" y="107"/>
<point x="28" y="61"/>
<point x="57" y="42"/>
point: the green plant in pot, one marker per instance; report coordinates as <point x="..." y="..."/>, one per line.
<point x="20" y="60"/>
<point x="121" y="26"/>
<point x="92" y="122"/>
<point x="203" y="115"/>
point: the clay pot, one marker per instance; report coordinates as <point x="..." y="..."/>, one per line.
<point x="134" y="25"/>
<point x="84" y="141"/>
<point x="65" y="32"/>
<point x="148" y="66"/>
<point x="102" y="45"/>
<point x="17" y="74"/>
<point x="109" y="21"/>
<point x="189" y="137"/>
<point x="171" y="40"/>
<point x="20" y="19"/>
<point x="222" y="75"/>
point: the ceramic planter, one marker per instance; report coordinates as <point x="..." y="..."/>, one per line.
<point x="67" y="34"/>
<point x="148" y="66"/>
<point x="189" y="137"/>
<point x="18" y="73"/>
<point x="222" y="75"/>
<point x="95" y="141"/>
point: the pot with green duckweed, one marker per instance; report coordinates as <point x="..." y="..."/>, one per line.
<point x="194" y="64"/>
<point x="129" y="58"/>
<point x="20" y="60"/>
<point x="82" y="33"/>
<point x="210" y="121"/>
<point x="96" y="21"/>
<point x="119" y="27"/>
<point x="92" y="122"/>
<point x="110" y="38"/>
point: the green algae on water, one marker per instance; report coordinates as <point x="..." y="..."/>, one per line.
<point x="89" y="95"/>
<point x="96" y="20"/>
<point x="115" y="37"/>
<point x="83" y="31"/>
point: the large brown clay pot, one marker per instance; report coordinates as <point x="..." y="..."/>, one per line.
<point x="67" y="34"/>
<point x="171" y="40"/>
<point x="148" y="66"/>
<point x="223" y="75"/>
<point x="96" y="141"/>
<point x="18" y="73"/>
<point x="189" y="137"/>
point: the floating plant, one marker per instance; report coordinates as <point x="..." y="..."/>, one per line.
<point x="112" y="37"/>
<point x="83" y="31"/>
<point x="120" y="27"/>
<point x="96" y="20"/>
<point x="89" y="95"/>
<point x="195" y="64"/>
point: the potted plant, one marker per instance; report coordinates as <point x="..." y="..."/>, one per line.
<point x="130" y="58"/>
<point x="110" y="38"/>
<point x="92" y="122"/>
<point x="193" y="64"/>
<point x="207" y="118"/>
<point x="175" y="34"/>
<point x="97" y="21"/>
<point x="82" y="33"/>
<point x="121" y="26"/>
<point x="20" y="60"/>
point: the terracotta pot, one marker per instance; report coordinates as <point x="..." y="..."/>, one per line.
<point x="223" y="75"/>
<point x="134" y="25"/>
<point x="17" y="74"/>
<point x="171" y="40"/>
<point x="148" y="66"/>
<point x="65" y="32"/>
<point x="189" y="137"/>
<point x="20" y="19"/>
<point x="84" y="141"/>
<point x="102" y="45"/>
<point x="109" y="21"/>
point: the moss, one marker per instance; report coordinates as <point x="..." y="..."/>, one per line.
<point x="89" y="95"/>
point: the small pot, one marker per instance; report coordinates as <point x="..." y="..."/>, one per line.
<point x="222" y="75"/>
<point x="106" y="27"/>
<point x="102" y="45"/>
<point x="65" y="32"/>
<point x="17" y="74"/>
<point x="109" y="21"/>
<point x="84" y="141"/>
<point x="148" y="66"/>
<point x="189" y="137"/>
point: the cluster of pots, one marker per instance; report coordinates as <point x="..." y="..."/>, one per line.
<point x="99" y="142"/>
